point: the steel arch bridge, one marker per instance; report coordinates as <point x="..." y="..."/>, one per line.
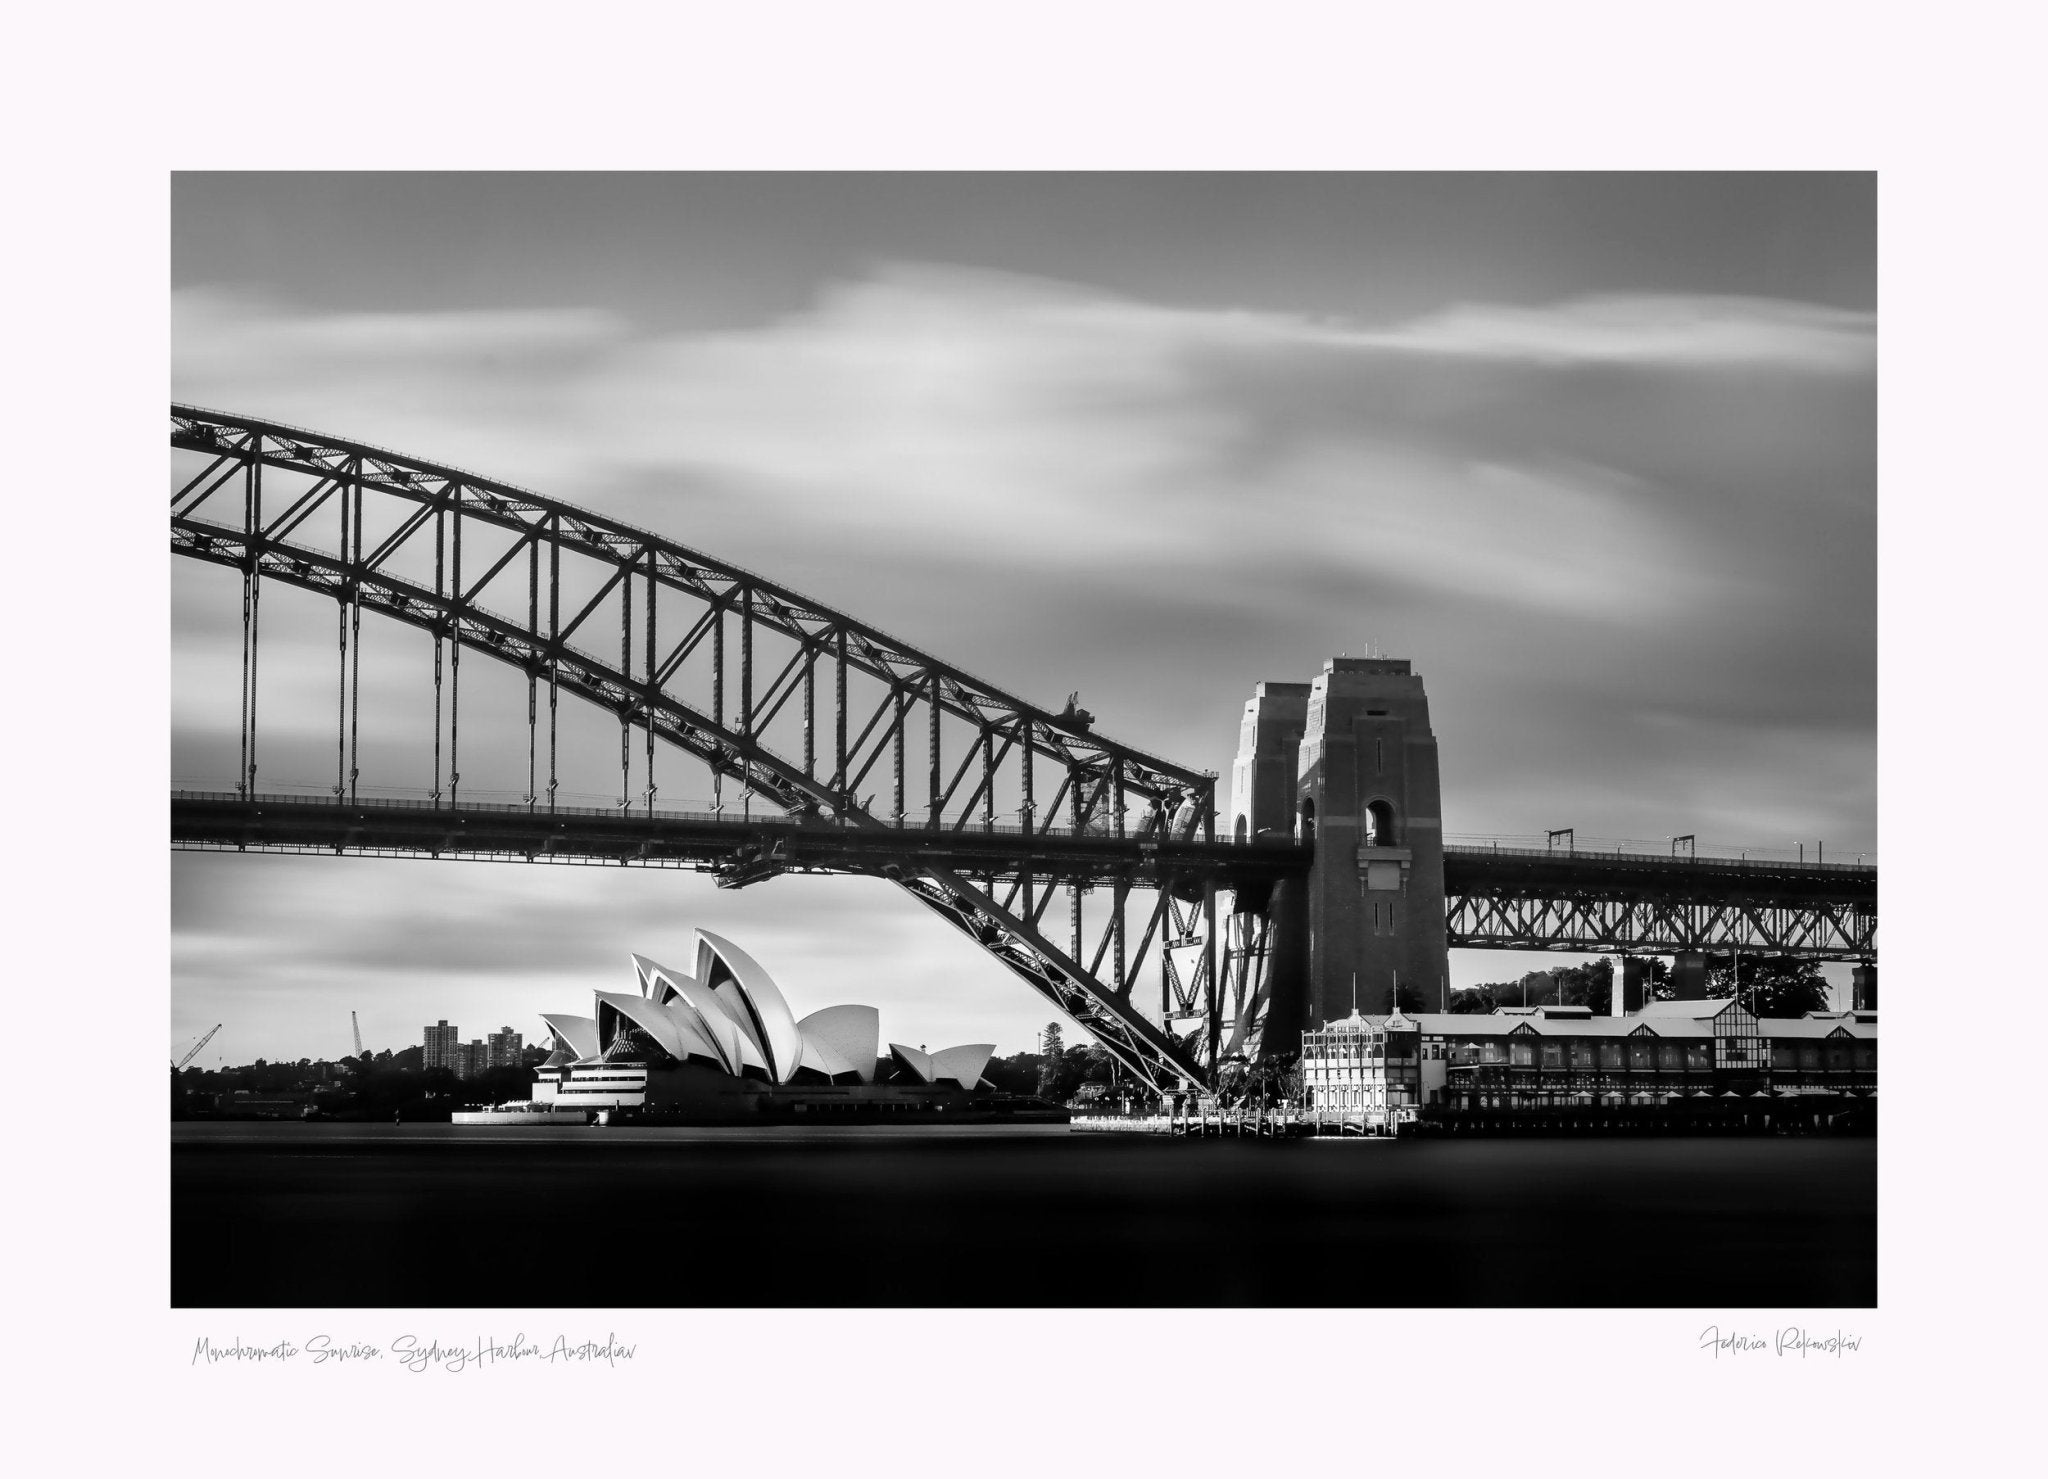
<point x="1079" y="863"/>
<point x="812" y="709"/>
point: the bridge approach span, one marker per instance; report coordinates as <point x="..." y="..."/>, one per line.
<point x="1596" y="903"/>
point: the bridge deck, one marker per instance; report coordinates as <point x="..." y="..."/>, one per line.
<point x="1601" y="903"/>
<point x="1468" y="869"/>
<point x="740" y="849"/>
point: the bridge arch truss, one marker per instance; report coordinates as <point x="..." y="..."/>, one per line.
<point x="827" y="720"/>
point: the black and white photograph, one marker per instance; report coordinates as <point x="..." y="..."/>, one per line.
<point x="983" y="739"/>
<point x="1099" y="739"/>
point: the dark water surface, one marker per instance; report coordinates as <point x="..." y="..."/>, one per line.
<point x="426" y="1215"/>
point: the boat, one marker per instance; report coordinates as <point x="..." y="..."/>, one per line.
<point x="520" y="1114"/>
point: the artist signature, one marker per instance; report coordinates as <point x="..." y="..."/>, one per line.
<point x="1792" y="1340"/>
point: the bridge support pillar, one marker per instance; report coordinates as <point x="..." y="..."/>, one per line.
<point x="1349" y="762"/>
<point x="1286" y="969"/>
<point x="1863" y="979"/>
<point x="1689" y="975"/>
<point x="1630" y="981"/>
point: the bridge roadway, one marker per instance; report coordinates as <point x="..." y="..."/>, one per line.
<point x="740" y="850"/>
<point x="1495" y="899"/>
<point x="1619" y="903"/>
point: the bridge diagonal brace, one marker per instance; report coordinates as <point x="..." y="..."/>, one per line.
<point x="1149" y="1053"/>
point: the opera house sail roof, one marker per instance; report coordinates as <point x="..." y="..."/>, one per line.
<point x="731" y="1016"/>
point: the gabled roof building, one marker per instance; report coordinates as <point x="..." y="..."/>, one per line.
<point x="1514" y="1059"/>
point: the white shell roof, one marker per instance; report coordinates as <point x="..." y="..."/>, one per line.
<point x="736" y="1007"/>
<point x="657" y="982"/>
<point x="773" y="1025"/>
<point x="821" y="1059"/>
<point x="579" y="1033"/>
<point x="657" y="1023"/>
<point x="697" y="1004"/>
<point x="963" y="1065"/>
<point x="853" y="1034"/>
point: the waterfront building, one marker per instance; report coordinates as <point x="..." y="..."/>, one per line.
<point x="1516" y="1059"/>
<point x="1367" y="1067"/>
<point x="723" y="1044"/>
<point x="441" y="1042"/>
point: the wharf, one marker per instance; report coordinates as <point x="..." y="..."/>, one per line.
<point x="1213" y="1122"/>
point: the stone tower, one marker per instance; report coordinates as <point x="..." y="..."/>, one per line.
<point x="1348" y="761"/>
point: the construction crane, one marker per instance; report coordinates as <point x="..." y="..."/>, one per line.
<point x="193" y="1051"/>
<point x="352" y="1027"/>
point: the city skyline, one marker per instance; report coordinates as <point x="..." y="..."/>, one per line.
<point x="1597" y="453"/>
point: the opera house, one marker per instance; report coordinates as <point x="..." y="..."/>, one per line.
<point x="721" y="1045"/>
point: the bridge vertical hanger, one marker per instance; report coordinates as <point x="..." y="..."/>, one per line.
<point x="1074" y="892"/>
<point x="252" y="615"/>
<point x="749" y="775"/>
<point x="1024" y="810"/>
<point x="718" y="694"/>
<point x="440" y="607"/>
<point x="341" y="613"/>
<point x="1208" y="968"/>
<point x="898" y="699"/>
<point x="455" y="663"/>
<point x="988" y="779"/>
<point x="532" y="674"/>
<point x="625" y="694"/>
<point x="653" y="656"/>
<point x="810" y="709"/>
<point x="718" y="665"/>
<point x="355" y="633"/>
<point x="554" y="653"/>
<point x="1120" y="893"/>
<point x="747" y="662"/>
<point x="931" y="816"/>
<point x="840" y="784"/>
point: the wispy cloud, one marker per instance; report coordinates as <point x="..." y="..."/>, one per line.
<point x="944" y="410"/>
<point x="1676" y="332"/>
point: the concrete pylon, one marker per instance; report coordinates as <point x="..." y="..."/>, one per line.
<point x="1689" y="975"/>
<point x="1863" y="981"/>
<point x="1349" y="761"/>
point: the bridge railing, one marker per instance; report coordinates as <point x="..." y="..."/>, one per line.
<point x="690" y="810"/>
<point x="1594" y="848"/>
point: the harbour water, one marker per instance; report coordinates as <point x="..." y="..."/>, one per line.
<point x="367" y="1215"/>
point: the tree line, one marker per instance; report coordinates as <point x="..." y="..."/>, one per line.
<point x="1770" y="986"/>
<point x="374" y="1085"/>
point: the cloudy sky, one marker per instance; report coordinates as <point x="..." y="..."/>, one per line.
<point x="1596" y="452"/>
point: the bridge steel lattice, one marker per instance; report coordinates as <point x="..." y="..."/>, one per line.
<point x="799" y="706"/>
<point x="1592" y="903"/>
